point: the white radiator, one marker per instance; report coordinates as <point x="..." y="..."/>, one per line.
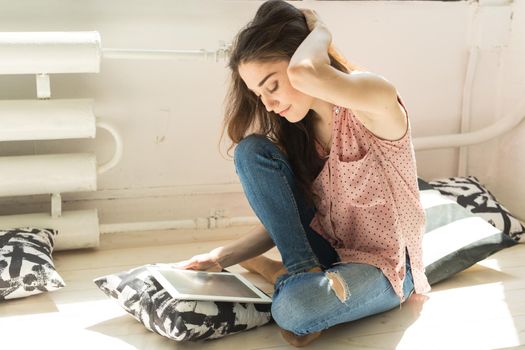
<point x="45" y="119"/>
<point x="41" y="54"/>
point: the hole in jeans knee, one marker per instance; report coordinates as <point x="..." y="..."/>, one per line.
<point x="338" y="285"/>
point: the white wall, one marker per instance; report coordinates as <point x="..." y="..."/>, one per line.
<point x="170" y="112"/>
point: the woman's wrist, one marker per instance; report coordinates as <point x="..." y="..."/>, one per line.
<point x="314" y="48"/>
<point x="315" y="23"/>
<point x="221" y="256"/>
<point x="321" y="33"/>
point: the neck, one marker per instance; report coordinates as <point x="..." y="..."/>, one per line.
<point x="323" y="122"/>
<point x="323" y="111"/>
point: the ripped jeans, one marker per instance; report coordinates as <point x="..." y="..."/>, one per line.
<point x="306" y="302"/>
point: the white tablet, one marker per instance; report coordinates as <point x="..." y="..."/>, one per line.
<point x="203" y="285"/>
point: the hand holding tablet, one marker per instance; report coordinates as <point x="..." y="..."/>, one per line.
<point x="201" y="262"/>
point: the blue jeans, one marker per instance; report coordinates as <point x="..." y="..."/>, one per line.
<point x="306" y="302"/>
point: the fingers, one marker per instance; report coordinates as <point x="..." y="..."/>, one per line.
<point x="311" y="17"/>
<point x="310" y="14"/>
<point x="196" y="264"/>
<point x="202" y="262"/>
<point x="308" y="11"/>
<point x="182" y="264"/>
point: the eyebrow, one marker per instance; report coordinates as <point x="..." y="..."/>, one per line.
<point x="266" y="78"/>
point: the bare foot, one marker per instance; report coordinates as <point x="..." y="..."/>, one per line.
<point x="299" y="340"/>
<point x="415" y="304"/>
<point x="268" y="268"/>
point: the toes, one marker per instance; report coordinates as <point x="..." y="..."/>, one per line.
<point x="299" y="340"/>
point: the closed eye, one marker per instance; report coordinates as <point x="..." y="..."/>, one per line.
<point x="271" y="91"/>
<point x="276" y="87"/>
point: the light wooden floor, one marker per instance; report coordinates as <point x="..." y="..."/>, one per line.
<point x="480" y="308"/>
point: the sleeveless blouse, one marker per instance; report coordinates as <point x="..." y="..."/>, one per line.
<point x="367" y="200"/>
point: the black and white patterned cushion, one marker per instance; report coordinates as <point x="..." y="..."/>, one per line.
<point x="139" y="294"/>
<point x="26" y="264"/>
<point x="471" y="194"/>
<point x="454" y="238"/>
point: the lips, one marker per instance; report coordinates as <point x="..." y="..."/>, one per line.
<point x="284" y="111"/>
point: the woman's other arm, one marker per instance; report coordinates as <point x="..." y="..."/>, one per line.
<point x="254" y="243"/>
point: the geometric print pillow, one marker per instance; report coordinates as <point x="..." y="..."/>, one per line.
<point x="471" y="194"/>
<point x="454" y="238"/>
<point x="26" y="265"/>
<point x="140" y="295"/>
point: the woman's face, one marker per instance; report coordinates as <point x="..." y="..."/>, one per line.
<point x="275" y="90"/>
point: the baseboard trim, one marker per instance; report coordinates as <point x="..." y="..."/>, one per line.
<point x="144" y="204"/>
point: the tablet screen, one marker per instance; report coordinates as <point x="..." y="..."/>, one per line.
<point x="200" y="284"/>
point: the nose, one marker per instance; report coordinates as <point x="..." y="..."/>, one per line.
<point x="270" y="104"/>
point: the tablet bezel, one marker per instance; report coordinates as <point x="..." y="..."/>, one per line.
<point x="263" y="298"/>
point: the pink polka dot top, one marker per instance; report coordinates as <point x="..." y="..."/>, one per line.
<point x="367" y="200"/>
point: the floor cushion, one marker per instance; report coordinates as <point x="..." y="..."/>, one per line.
<point x="26" y="263"/>
<point x="474" y="196"/>
<point x="139" y="293"/>
<point x="455" y="238"/>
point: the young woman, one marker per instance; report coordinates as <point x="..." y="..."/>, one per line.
<point x="325" y="157"/>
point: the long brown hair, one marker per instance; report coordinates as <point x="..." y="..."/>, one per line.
<point x="275" y="33"/>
